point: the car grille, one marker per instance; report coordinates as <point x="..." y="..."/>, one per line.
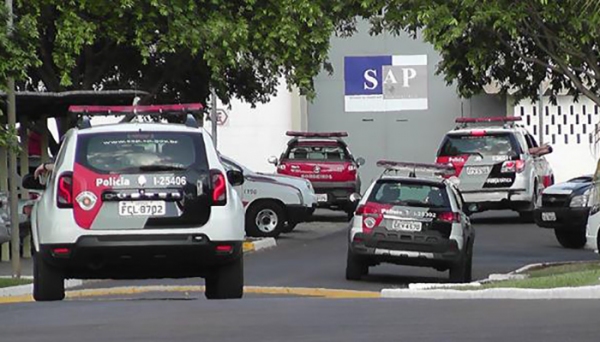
<point x="554" y="201"/>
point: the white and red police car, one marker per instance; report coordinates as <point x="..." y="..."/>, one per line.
<point x="325" y="160"/>
<point x="138" y="200"/>
<point x="492" y="158"/>
<point x="412" y="215"/>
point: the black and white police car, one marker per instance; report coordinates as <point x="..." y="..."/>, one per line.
<point x="138" y="200"/>
<point x="411" y="215"/>
<point x="495" y="161"/>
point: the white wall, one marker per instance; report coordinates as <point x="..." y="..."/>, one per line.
<point x="251" y="135"/>
<point x="574" y="153"/>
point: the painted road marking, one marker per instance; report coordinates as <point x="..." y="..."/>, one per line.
<point x="293" y="291"/>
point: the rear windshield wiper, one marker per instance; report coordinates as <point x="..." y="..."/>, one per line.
<point x="161" y="168"/>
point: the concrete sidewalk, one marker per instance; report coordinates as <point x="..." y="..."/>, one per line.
<point x="26" y="268"/>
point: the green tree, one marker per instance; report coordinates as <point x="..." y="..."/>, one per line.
<point x="517" y="43"/>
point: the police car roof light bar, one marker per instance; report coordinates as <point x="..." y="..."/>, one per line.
<point x="316" y="134"/>
<point x="412" y="168"/>
<point x="502" y="119"/>
<point x="139" y="110"/>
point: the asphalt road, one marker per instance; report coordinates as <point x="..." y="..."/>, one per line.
<point x="301" y="319"/>
<point x="314" y="255"/>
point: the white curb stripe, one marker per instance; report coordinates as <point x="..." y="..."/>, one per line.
<point x="584" y="292"/>
<point x="22" y="290"/>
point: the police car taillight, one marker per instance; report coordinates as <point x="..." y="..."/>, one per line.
<point x="371" y="217"/>
<point x="64" y="193"/>
<point x="219" y="186"/>
<point x="513" y="166"/>
<point x="449" y="216"/>
<point x="351" y="167"/>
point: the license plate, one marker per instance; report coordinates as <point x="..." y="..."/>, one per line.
<point x="478" y="170"/>
<point x="142" y="208"/>
<point x="321" y="197"/>
<point x="406" y="226"/>
<point x="549" y="216"/>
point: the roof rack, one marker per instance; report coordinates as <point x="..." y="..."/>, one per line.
<point x="316" y="134"/>
<point x="148" y="110"/>
<point x="505" y="121"/>
<point x="437" y="170"/>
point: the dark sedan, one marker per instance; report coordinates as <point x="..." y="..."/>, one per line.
<point x="565" y="209"/>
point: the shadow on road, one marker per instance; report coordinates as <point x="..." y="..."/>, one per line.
<point x="402" y="281"/>
<point x="490" y="218"/>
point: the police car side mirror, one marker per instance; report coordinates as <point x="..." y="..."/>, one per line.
<point x="272" y="160"/>
<point x="471" y="209"/>
<point x="235" y="177"/>
<point x="360" y="161"/>
<point x="31" y="183"/>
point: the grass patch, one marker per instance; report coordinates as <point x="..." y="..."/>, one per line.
<point x="7" y="282"/>
<point x="566" y="275"/>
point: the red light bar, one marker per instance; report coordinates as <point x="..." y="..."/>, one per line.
<point x="150" y="109"/>
<point x="490" y="119"/>
<point x="316" y="134"/>
<point x="404" y="166"/>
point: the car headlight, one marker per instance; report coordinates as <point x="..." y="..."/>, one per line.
<point x="581" y="200"/>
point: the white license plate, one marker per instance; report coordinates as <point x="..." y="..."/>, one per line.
<point x="406" y="226"/>
<point x="321" y="197"/>
<point x="478" y="170"/>
<point x="549" y="216"/>
<point x="142" y="208"/>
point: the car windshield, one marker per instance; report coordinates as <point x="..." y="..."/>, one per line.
<point x="409" y="194"/>
<point x="330" y="152"/>
<point x="486" y="145"/>
<point x="134" y="151"/>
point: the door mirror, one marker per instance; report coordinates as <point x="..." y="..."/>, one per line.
<point x="471" y="209"/>
<point x="31" y="183"/>
<point x="235" y="177"/>
<point x="360" y="161"/>
<point x="272" y="160"/>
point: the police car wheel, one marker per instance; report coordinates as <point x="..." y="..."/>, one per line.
<point x="569" y="239"/>
<point x="355" y="267"/>
<point x="461" y="272"/>
<point x="48" y="282"/>
<point x="226" y="281"/>
<point x="288" y="227"/>
<point x="265" y="219"/>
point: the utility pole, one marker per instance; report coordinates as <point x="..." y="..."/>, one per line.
<point x="541" y="115"/>
<point x="213" y="116"/>
<point x="12" y="165"/>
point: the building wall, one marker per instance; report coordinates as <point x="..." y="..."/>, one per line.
<point x="569" y="127"/>
<point x="408" y="135"/>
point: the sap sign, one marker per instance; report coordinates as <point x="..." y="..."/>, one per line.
<point x="385" y="83"/>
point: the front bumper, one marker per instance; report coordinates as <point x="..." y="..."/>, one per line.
<point x="140" y="257"/>
<point x="428" y="252"/>
<point x="564" y="218"/>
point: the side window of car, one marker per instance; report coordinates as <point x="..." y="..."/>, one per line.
<point x="533" y="142"/>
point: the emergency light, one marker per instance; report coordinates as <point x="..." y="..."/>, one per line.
<point x="437" y="169"/>
<point x="141" y="110"/>
<point x="316" y="134"/>
<point x="502" y="120"/>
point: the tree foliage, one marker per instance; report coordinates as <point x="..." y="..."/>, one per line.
<point x="175" y="49"/>
<point x="517" y="43"/>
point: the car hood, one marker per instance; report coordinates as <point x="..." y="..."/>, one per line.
<point x="290" y="180"/>
<point x="566" y="188"/>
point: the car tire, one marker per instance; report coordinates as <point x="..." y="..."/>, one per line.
<point x="356" y="268"/>
<point x="570" y="239"/>
<point x="461" y="272"/>
<point x="265" y="219"/>
<point x="48" y="281"/>
<point x="288" y="227"/>
<point x="527" y="215"/>
<point x="226" y="281"/>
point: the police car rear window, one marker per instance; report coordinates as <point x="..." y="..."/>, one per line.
<point x="488" y="144"/>
<point x="410" y="194"/>
<point x="139" y="152"/>
<point x="329" y="152"/>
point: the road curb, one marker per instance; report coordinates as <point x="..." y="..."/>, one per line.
<point x="259" y="244"/>
<point x="23" y="290"/>
<point x="437" y="291"/>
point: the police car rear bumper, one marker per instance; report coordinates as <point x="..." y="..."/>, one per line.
<point x="141" y="257"/>
<point x="497" y="198"/>
<point x="334" y="193"/>
<point x="441" y="253"/>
